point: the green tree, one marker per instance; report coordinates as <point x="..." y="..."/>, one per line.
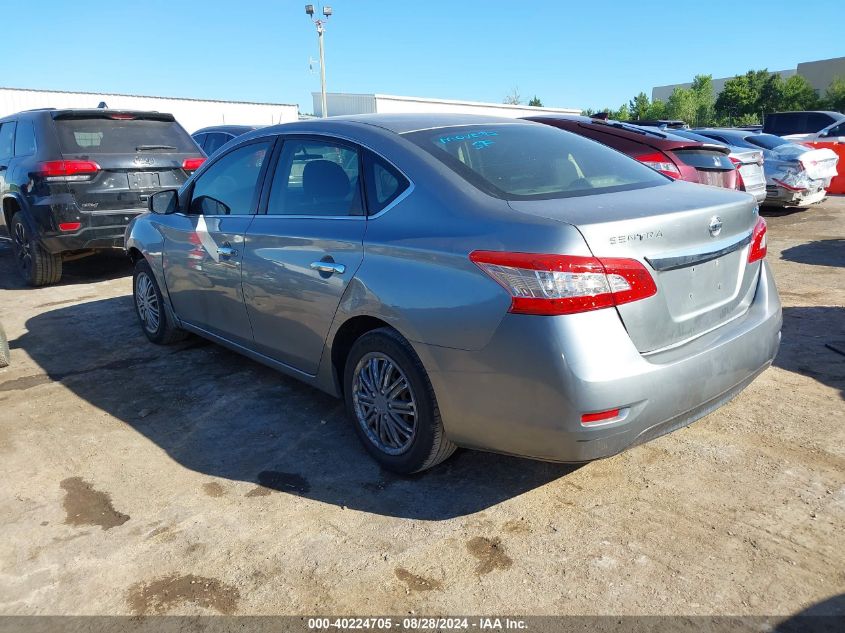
<point x="798" y="94"/>
<point x="535" y="102"/>
<point x="770" y="96"/>
<point x="638" y="106"/>
<point x="702" y="92"/>
<point x="834" y="97"/>
<point x="657" y="110"/>
<point x="682" y="105"/>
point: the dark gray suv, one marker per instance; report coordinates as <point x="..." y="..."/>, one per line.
<point x="71" y="180"/>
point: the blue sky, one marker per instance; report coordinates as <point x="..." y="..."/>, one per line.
<point x="588" y="54"/>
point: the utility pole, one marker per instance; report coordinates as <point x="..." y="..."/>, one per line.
<point x="320" y="24"/>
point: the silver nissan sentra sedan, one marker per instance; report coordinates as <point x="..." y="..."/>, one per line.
<point x="466" y="281"/>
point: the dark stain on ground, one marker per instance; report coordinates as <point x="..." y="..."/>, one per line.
<point x="269" y="480"/>
<point x="161" y="595"/>
<point x="213" y="489"/>
<point x="61" y="303"/>
<point x="490" y="554"/>
<point x="86" y="506"/>
<point x="417" y="583"/>
<point x="25" y="382"/>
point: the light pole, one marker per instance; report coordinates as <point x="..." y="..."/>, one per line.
<point x="320" y="24"/>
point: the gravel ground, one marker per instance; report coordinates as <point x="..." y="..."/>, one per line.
<point x="186" y="480"/>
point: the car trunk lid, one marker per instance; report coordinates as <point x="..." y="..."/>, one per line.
<point x="693" y="240"/>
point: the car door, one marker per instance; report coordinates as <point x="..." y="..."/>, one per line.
<point x="300" y="254"/>
<point x="204" y="245"/>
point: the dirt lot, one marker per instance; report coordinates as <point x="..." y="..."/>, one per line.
<point x="140" y="479"/>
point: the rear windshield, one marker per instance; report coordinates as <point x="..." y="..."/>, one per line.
<point x="110" y="136"/>
<point x="767" y="141"/>
<point x="534" y="162"/>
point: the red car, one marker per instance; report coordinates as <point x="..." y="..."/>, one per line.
<point x="672" y="155"/>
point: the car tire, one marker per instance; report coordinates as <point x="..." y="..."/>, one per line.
<point x="35" y="265"/>
<point x="4" y="348"/>
<point x="398" y="420"/>
<point x="150" y="308"/>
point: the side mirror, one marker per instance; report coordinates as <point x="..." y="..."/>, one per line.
<point x="164" y="202"/>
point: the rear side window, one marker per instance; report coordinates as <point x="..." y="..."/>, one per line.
<point x="766" y="141"/>
<point x="214" y="141"/>
<point x="534" y="161"/>
<point x="316" y="178"/>
<point x="109" y="136"/>
<point x="25" y="139"/>
<point x="229" y="185"/>
<point x="199" y="139"/>
<point x="7" y="139"/>
<point x="384" y="183"/>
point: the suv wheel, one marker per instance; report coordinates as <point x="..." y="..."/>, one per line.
<point x="150" y="308"/>
<point x="35" y="265"/>
<point x="390" y="399"/>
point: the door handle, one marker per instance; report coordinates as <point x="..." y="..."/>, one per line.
<point x="328" y="267"/>
<point x="227" y="252"/>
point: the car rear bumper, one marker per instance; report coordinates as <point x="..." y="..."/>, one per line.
<point x="525" y="392"/>
<point x="786" y="197"/>
<point x="98" y="230"/>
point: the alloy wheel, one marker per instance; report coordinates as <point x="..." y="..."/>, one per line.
<point x="384" y="403"/>
<point x="146" y="300"/>
<point x="22" y="248"/>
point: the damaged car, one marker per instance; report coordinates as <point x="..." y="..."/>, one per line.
<point x="796" y="175"/>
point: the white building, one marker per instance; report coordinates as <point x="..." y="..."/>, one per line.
<point x="339" y="103"/>
<point x="191" y="113"/>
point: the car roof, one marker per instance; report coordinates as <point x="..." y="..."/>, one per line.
<point x="836" y="115"/>
<point x="399" y="123"/>
<point x="233" y="129"/>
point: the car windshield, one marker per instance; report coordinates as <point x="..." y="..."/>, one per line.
<point x="767" y="141"/>
<point x="99" y="135"/>
<point x="517" y="161"/>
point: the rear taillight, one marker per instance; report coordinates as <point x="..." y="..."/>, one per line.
<point x="758" y="241"/>
<point x="192" y="164"/>
<point x="661" y="162"/>
<point x="740" y="183"/>
<point x="565" y="284"/>
<point x="68" y="170"/>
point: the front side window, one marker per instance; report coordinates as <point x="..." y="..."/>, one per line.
<point x="228" y="187"/>
<point x="837" y="130"/>
<point x="316" y="178"/>
<point x="516" y="161"/>
<point x="7" y="140"/>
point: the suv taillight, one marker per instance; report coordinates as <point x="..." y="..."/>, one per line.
<point x="661" y="162"/>
<point x="758" y="242"/>
<point x="68" y="170"/>
<point x="565" y="284"/>
<point x="192" y="164"/>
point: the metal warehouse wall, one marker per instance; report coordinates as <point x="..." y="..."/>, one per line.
<point x="340" y="103"/>
<point x="191" y="113"/>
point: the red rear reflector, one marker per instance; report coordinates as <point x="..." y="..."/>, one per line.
<point x="70" y="226"/>
<point x="53" y="168"/>
<point x="565" y="284"/>
<point x="661" y="162"/>
<point x="601" y="416"/>
<point x="758" y="242"/>
<point x="192" y="164"/>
